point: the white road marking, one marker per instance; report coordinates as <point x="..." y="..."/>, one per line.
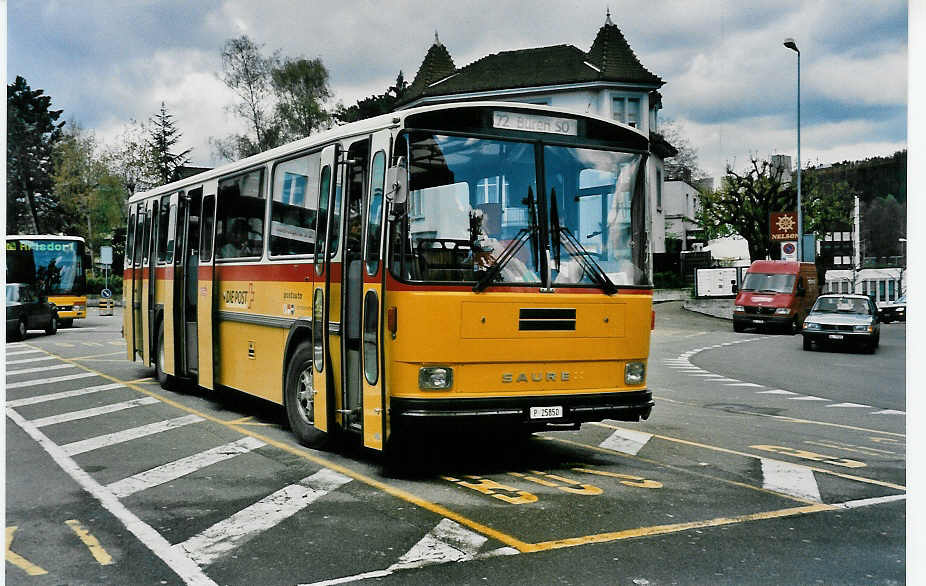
<point x="752" y="385"/>
<point x="40" y="369"/>
<point x="48" y="381"/>
<point x="179" y="468"/>
<point x="727" y="380"/>
<point x="448" y="542"/>
<point x="775" y="392"/>
<point x="186" y="570"/>
<point x="30" y="351"/>
<point x="807" y="398"/>
<point x="246" y="524"/>
<point x="872" y="501"/>
<point x="791" y="479"/>
<point x="848" y="405"/>
<point x="25" y="360"/>
<point x="888" y="412"/>
<point x="63" y="395"/>
<point x="109" y="439"/>
<point x="626" y="441"/>
<point x="93" y="412"/>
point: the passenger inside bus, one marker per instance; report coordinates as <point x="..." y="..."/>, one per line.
<point x="236" y="240"/>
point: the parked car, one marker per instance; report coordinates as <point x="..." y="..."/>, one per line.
<point x="896" y="311"/>
<point x="843" y="319"/>
<point x="27" y="310"/>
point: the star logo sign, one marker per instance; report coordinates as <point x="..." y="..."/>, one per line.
<point x="786" y="224"/>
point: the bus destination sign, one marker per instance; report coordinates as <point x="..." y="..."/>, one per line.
<point x="534" y="123"/>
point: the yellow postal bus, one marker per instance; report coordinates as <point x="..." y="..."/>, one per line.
<point x="471" y="264"/>
<point x="54" y="264"/>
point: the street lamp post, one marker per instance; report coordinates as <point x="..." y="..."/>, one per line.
<point x="789" y="43"/>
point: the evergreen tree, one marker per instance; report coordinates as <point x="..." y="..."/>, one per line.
<point x="374" y="105"/>
<point x="31" y="133"/>
<point x="163" y="136"/>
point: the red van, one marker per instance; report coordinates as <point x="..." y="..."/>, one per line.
<point x="776" y="293"/>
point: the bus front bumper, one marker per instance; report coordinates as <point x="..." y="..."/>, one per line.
<point x="516" y="411"/>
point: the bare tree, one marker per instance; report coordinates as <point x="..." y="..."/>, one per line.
<point x="247" y="72"/>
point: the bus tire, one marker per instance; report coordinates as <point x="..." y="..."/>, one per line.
<point x="66" y="323"/>
<point x="52" y="328"/>
<point x="299" y="398"/>
<point x="165" y="380"/>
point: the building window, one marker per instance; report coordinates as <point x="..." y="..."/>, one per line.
<point x="658" y="189"/>
<point x="626" y="110"/>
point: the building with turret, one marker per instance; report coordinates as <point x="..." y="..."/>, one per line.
<point x="608" y="80"/>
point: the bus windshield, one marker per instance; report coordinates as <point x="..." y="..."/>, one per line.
<point x="54" y="266"/>
<point x="480" y="210"/>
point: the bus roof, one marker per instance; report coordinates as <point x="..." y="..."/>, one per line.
<point x="390" y="120"/>
<point x="43" y="237"/>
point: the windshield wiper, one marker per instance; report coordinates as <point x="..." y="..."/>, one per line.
<point x="576" y="249"/>
<point x="509" y="252"/>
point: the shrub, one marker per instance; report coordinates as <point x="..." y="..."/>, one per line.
<point x="96" y="284"/>
<point x="668" y="280"/>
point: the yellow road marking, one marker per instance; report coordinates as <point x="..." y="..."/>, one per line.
<point x="748" y="455"/>
<point x="18" y="560"/>
<point x="324" y="462"/>
<point x="521" y="546"/>
<point x="97" y="356"/>
<point x="850" y="448"/>
<point x="247" y="421"/>
<point x="92" y="543"/>
<point x="796" y="420"/>
<point x="677" y="469"/>
<point x="673" y="528"/>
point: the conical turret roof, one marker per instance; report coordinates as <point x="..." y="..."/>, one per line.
<point x="437" y="65"/>
<point x="611" y="53"/>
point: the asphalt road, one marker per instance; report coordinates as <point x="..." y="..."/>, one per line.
<point x="761" y="464"/>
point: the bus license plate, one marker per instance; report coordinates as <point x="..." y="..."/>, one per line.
<point x="546" y="412"/>
<point x="835" y="336"/>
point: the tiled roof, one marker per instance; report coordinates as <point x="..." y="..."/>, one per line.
<point x="610" y="59"/>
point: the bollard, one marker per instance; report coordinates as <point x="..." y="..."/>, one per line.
<point x="106" y="306"/>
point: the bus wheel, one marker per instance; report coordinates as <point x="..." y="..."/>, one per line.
<point x="299" y="399"/>
<point x="66" y="323"/>
<point x="52" y="328"/>
<point x="165" y="380"/>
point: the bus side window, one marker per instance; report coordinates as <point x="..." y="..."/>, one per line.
<point x="294" y="206"/>
<point x="240" y="216"/>
<point x="164" y="216"/>
<point x="205" y="246"/>
<point x="375" y="217"/>
<point x="130" y="241"/>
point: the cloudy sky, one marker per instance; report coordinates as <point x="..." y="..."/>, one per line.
<point x="730" y="83"/>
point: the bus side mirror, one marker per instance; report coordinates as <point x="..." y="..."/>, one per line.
<point x="397" y="181"/>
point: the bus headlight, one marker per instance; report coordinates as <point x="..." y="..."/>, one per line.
<point x="435" y="378"/>
<point x="634" y="373"/>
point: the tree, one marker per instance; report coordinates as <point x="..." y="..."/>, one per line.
<point x="247" y="72"/>
<point x="683" y="165"/>
<point x="128" y="158"/>
<point x="742" y="206"/>
<point x="374" y="105"/>
<point x="301" y="88"/>
<point x="163" y="136"/>
<point x="32" y="131"/>
<point x="92" y="198"/>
